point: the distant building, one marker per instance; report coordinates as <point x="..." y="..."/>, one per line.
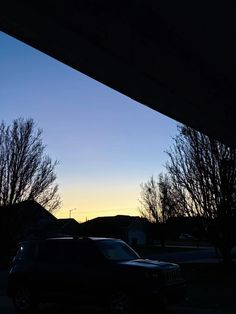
<point x="177" y="226"/>
<point x="60" y="227"/>
<point x="132" y="229"/>
<point x="29" y="219"/>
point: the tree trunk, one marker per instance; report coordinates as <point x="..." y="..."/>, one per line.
<point x="162" y="236"/>
<point x="225" y="251"/>
<point x="225" y="245"/>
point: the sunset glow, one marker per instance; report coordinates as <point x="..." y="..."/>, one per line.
<point x="106" y="143"/>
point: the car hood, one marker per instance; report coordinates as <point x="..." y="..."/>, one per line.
<point x="151" y="264"/>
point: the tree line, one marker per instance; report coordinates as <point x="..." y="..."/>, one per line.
<point x="200" y="181"/>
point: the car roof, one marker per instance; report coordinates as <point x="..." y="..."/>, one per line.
<point x="69" y="238"/>
<point x="81" y="238"/>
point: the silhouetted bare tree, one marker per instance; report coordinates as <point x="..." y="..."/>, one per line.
<point x="169" y="203"/>
<point x="157" y="202"/>
<point x="150" y="201"/>
<point x="203" y="173"/>
<point x="26" y="173"/>
<point x="158" y="199"/>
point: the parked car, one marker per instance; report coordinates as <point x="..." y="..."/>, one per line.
<point x="186" y="236"/>
<point x="102" y="270"/>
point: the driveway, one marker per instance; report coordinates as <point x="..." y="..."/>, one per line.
<point x="6" y="307"/>
<point x="193" y="255"/>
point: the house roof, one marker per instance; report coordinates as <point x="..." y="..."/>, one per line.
<point x="19" y="220"/>
<point x="110" y="225"/>
<point x="28" y="211"/>
<point x="66" y="226"/>
<point x="122" y="220"/>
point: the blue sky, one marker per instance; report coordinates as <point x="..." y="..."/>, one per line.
<point x="106" y="143"/>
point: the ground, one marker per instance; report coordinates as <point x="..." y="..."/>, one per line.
<point x="210" y="285"/>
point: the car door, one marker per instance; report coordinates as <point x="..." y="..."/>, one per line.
<point x="49" y="269"/>
<point x="86" y="270"/>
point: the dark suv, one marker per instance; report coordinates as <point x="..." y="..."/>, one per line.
<point x="102" y="270"/>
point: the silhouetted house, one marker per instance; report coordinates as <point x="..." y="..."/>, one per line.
<point x="65" y="226"/>
<point x="21" y="220"/>
<point x="29" y="219"/>
<point x="132" y="229"/>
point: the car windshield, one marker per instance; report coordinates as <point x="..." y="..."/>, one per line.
<point x="117" y="250"/>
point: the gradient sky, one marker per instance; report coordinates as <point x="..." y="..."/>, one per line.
<point x="106" y="143"/>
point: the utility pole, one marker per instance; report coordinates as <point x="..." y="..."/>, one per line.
<point x="71" y="211"/>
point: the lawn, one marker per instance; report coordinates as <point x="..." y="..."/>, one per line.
<point x="210" y="285"/>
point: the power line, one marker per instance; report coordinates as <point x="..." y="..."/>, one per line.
<point x="107" y="210"/>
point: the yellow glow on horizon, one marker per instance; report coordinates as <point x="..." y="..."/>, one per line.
<point x="87" y="215"/>
<point x="100" y="201"/>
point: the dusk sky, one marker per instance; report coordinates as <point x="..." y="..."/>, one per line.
<point x="106" y="143"/>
